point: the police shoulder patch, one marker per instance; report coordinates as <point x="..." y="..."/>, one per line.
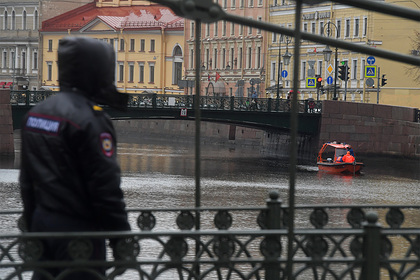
<point x="107" y="145"/>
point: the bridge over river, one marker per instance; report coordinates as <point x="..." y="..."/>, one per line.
<point x="263" y="113"/>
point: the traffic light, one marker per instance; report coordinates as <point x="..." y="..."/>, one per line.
<point x="383" y="80"/>
<point x="318" y="81"/>
<point x="343" y="71"/>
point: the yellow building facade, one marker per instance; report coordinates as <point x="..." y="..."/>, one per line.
<point x="351" y="25"/>
<point x="147" y="39"/>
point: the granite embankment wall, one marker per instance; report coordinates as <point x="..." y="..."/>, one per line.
<point x="372" y="128"/>
<point x="6" y="124"/>
<point x="269" y="143"/>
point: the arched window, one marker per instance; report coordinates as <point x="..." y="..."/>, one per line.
<point x="177" y="64"/>
<point x="24" y="20"/>
<point x="13" y="20"/>
<point x="6" y="24"/>
<point x="36" y="19"/>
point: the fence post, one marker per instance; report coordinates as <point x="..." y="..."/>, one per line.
<point x="154" y="102"/>
<point x="272" y="270"/>
<point x="371" y="248"/>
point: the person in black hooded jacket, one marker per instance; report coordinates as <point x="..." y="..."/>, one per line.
<point x="69" y="177"/>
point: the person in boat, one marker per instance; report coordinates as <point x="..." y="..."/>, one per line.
<point x="348" y="157"/>
<point x="339" y="159"/>
<point x="350" y="149"/>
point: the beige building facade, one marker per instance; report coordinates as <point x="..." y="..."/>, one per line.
<point x="232" y="56"/>
<point x="147" y="39"/>
<point x="351" y="25"/>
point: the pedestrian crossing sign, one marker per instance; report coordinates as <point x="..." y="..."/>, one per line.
<point x="311" y="82"/>
<point x="370" y="71"/>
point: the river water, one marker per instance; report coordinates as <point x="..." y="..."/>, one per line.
<point x="160" y="174"/>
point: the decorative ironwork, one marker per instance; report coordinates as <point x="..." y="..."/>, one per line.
<point x="355" y="217"/>
<point x="176" y="248"/>
<point x="223" y="220"/>
<point x="316" y="247"/>
<point x="271" y="247"/>
<point x="30" y="249"/>
<point x="224" y="247"/>
<point x="185" y="220"/>
<point x="319" y="218"/>
<point x="394" y="218"/>
<point x="80" y="249"/>
<point x="127" y="249"/>
<point x="146" y="220"/>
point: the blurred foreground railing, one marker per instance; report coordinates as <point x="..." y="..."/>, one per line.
<point x="330" y="242"/>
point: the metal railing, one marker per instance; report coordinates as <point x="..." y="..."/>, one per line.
<point x="353" y="246"/>
<point x="278" y="249"/>
<point x="156" y="101"/>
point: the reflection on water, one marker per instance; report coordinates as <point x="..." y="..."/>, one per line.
<point x="161" y="175"/>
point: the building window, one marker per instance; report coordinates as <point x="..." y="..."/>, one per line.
<point x="223" y="58"/>
<point x="249" y="57"/>
<point x="13" y="20"/>
<point x="258" y="57"/>
<point x="132" y="45"/>
<point x="241" y="29"/>
<point x="49" y="71"/>
<point x="232" y="29"/>
<point x="240" y="57"/>
<point x="121" y="72"/>
<point x="338" y="28"/>
<point x="192" y="30"/>
<point x="35" y="61"/>
<point x="303" y="71"/>
<point x="216" y="29"/>
<point x="142" y="45"/>
<point x="313" y="27"/>
<point x="152" y="73"/>
<point x="233" y="4"/>
<point x="191" y="58"/>
<point x="50" y="45"/>
<point x="23" y="62"/>
<point x="24" y="25"/>
<point x="232" y="57"/>
<point x="131" y="72"/>
<point x="305" y="27"/>
<point x="356" y="27"/>
<point x="347" y="28"/>
<point x="224" y="28"/>
<point x="273" y="37"/>
<point x="353" y="72"/>
<point x="273" y="71"/>
<point x="241" y="4"/>
<point x="122" y="45"/>
<point x="6" y="24"/>
<point x="152" y="45"/>
<point x="259" y="30"/>
<point x="207" y="29"/>
<point x="36" y="20"/>
<point x="321" y="28"/>
<point x="3" y="64"/>
<point x="224" y="4"/>
<point x="215" y="58"/>
<point x="141" y="72"/>
<point x="250" y="29"/>
<point x="365" y="27"/>
<point x="251" y="3"/>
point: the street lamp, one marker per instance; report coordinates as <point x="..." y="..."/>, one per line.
<point x="286" y="60"/>
<point x="328" y="52"/>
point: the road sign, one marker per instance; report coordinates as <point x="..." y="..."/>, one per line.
<point x="329" y="80"/>
<point x="330" y="69"/>
<point x="183" y="112"/>
<point x="370" y="60"/>
<point x="311" y="82"/>
<point x="370" y="82"/>
<point x="284" y="73"/>
<point x="370" y="71"/>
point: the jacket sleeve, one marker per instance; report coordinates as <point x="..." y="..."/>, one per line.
<point x="101" y="173"/>
<point x="26" y="188"/>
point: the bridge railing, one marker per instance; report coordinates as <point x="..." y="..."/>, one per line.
<point x="156" y="101"/>
<point x="330" y="242"/>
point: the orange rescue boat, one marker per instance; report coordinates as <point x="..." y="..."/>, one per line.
<point x="328" y="159"/>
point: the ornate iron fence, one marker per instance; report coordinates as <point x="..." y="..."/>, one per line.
<point x="353" y="246"/>
<point x="156" y="101"/>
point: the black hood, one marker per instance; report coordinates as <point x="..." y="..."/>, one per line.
<point x="88" y="65"/>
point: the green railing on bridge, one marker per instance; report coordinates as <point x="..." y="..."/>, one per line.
<point x="353" y="246"/>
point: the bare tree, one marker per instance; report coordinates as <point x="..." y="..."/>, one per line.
<point x="414" y="71"/>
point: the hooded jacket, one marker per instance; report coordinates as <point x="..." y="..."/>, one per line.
<point x="69" y="163"/>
